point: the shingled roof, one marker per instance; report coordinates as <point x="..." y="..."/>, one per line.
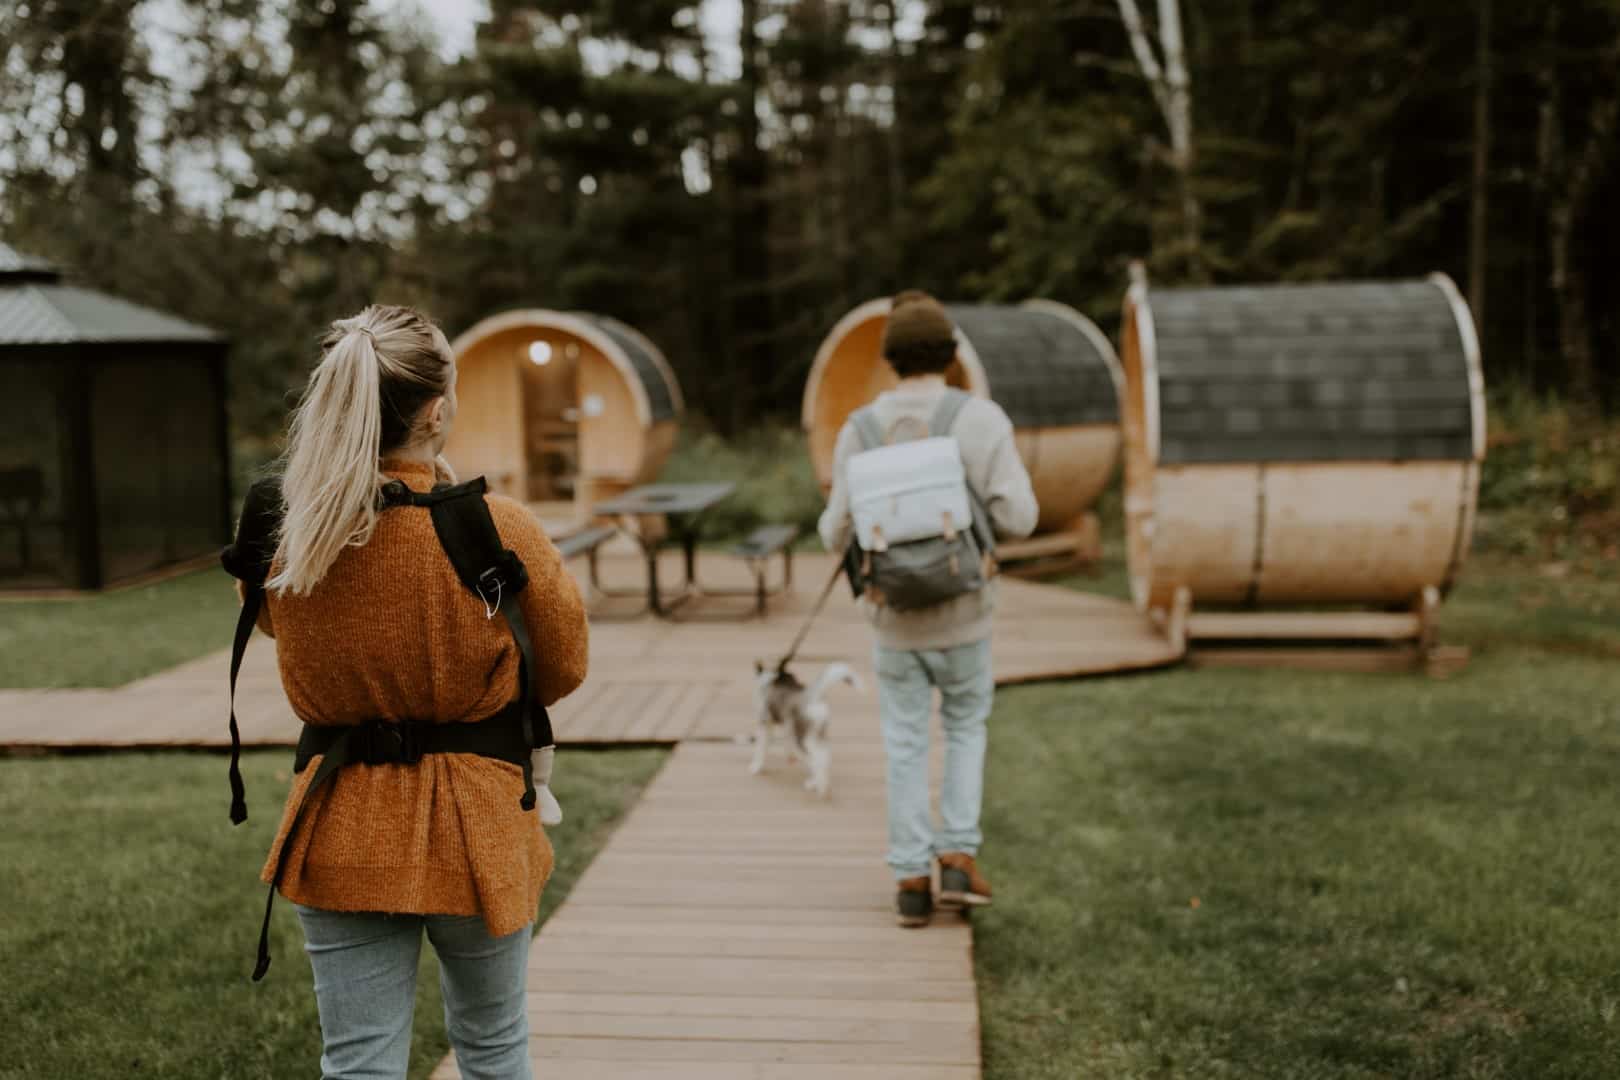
<point x="1374" y="371"/>
<point x="660" y="399"/>
<point x="36" y="308"/>
<point x="1043" y="370"/>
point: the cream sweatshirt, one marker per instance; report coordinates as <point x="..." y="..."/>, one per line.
<point x="994" y="472"/>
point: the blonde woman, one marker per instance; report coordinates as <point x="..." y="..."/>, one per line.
<point x="405" y="679"/>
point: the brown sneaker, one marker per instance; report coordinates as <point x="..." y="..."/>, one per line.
<point x="960" y="883"/>
<point x="915" y="901"/>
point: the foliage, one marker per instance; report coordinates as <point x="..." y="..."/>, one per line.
<point x="132" y="907"/>
<point x="1270" y="873"/>
<point x="776" y="484"/>
<point x="266" y="165"/>
<point x="1550" y="486"/>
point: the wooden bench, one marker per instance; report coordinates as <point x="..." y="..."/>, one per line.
<point x="585" y="541"/>
<point x="757" y="548"/>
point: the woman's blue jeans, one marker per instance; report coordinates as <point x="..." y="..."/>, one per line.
<point x="365" y="987"/>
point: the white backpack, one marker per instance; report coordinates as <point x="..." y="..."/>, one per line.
<point x="921" y="536"/>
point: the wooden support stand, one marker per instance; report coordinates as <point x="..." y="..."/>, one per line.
<point x="1315" y="640"/>
<point x="1076" y="548"/>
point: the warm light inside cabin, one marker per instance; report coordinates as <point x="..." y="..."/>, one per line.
<point x="540" y="352"/>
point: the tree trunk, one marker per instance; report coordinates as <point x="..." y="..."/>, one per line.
<point x="750" y="263"/>
<point x="1567" y="215"/>
<point x="1478" y="210"/>
<point x="893" y="135"/>
<point x="1178" y="117"/>
<point x="1172" y="91"/>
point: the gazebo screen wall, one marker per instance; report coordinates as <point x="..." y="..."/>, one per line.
<point x="156" y="419"/>
<point x="38" y="543"/>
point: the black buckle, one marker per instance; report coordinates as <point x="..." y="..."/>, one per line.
<point x="384" y="743"/>
<point x="393" y="493"/>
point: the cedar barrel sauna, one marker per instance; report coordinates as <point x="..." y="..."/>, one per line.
<point x="1300" y="446"/>
<point x="1047" y="365"/>
<point x="561" y="409"/>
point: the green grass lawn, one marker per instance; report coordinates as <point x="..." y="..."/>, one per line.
<point x="111" y="638"/>
<point x="1228" y="873"/>
<point x="131" y="907"/>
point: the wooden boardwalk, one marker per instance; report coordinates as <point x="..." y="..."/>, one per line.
<point x="650" y="680"/>
<point x="737" y="927"/>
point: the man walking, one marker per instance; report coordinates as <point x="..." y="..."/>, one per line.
<point x="944" y="646"/>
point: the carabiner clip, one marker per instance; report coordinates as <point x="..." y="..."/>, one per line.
<point x="490" y="609"/>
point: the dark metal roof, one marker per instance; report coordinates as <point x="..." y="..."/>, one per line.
<point x="14" y="265"/>
<point x="1044" y="371"/>
<point x="1372" y="371"/>
<point x="660" y="396"/>
<point x="36" y="311"/>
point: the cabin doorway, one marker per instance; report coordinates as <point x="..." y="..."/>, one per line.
<point x="551" y="414"/>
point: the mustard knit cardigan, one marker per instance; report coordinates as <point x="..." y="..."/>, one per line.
<point x="390" y="632"/>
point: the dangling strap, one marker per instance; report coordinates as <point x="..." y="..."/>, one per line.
<point x="248" y="560"/>
<point x="336" y="756"/>
<point x="252" y="600"/>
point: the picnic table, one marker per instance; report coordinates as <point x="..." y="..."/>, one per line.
<point x="683" y="507"/>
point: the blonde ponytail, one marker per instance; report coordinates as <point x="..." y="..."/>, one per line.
<point x="363" y="399"/>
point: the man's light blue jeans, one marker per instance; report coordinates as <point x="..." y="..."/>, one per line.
<point x="906" y="684"/>
<point x="365" y="987"/>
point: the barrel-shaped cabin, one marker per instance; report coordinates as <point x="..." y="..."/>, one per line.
<point x="1047" y="365"/>
<point x="1300" y="445"/>
<point x="561" y="407"/>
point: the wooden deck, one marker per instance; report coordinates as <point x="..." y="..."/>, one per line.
<point x="650" y="681"/>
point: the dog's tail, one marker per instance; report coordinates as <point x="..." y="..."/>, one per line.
<point x="832" y="673"/>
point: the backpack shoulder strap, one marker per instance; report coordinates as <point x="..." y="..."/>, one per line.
<point x="248" y="560"/>
<point x="944" y="419"/>
<point x="950" y="407"/>
<point x="496" y="575"/>
<point x="866" y="428"/>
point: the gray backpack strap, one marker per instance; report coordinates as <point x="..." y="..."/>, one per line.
<point x="866" y="428"/>
<point x="950" y="407"/>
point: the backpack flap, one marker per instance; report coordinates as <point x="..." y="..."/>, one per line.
<point x="910" y="491"/>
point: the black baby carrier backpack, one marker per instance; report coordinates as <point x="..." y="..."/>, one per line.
<point x="493" y="574"/>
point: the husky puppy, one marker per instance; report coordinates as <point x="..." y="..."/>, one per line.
<point x="790" y="712"/>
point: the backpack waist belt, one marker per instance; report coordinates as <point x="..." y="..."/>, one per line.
<point x="388" y="742"/>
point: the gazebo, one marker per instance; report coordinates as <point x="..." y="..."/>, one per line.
<point x="114" y="453"/>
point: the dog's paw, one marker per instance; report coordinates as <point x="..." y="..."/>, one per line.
<point x="756" y="766"/>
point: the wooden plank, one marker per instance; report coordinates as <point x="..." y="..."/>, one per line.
<point x="704" y="969"/>
<point x="646" y="723"/>
<point x="753" y="947"/>
<point x="597" y="1069"/>
<point x="1392" y="626"/>
<point x="677" y="723"/>
<point x="782" y="982"/>
<point x="549" y="1000"/>
<point x="1379" y="660"/>
<point x="670" y="1051"/>
<point x="880" y="1037"/>
<point x="629" y="704"/>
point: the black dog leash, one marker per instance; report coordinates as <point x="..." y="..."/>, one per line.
<point x="815" y="612"/>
